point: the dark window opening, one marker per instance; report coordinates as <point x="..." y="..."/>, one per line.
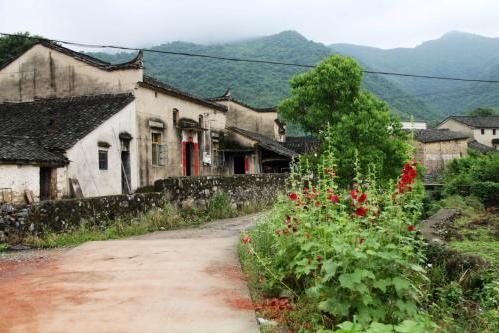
<point x="102" y="159"/>
<point x="494" y="131"/>
<point x="483" y="131"/>
<point x="175" y="117"/>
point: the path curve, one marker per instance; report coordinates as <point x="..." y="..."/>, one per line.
<point x="178" y="281"/>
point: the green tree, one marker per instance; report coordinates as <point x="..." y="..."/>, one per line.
<point x="483" y="112"/>
<point x="12" y="46"/>
<point x="361" y="124"/>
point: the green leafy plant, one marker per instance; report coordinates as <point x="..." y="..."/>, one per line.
<point x="353" y="253"/>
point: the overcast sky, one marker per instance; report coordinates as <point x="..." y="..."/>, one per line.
<point x="380" y="23"/>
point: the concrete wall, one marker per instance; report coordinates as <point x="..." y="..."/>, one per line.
<point x="246" y="118"/>
<point x="152" y="105"/>
<point x="17" y="222"/>
<point x="43" y="72"/>
<point x="84" y="158"/>
<point x="16" y="179"/>
<point x="436" y="156"/>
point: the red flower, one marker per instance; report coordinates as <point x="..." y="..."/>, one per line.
<point x="247" y="239"/>
<point x="411" y="228"/>
<point x="334" y="198"/>
<point x="329" y="190"/>
<point x="293" y="196"/>
<point x="354" y="194"/>
<point x="317" y="204"/>
<point x="362" y="198"/>
<point x="319" y="258"/>
<point x="361" y="211"/>
<point x="305" y="190"/>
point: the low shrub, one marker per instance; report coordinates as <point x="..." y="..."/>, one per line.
<point x="477" y="174"/>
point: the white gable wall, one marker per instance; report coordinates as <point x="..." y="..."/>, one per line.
<point x="43" y="72"/>
<point x="84" y="158"/>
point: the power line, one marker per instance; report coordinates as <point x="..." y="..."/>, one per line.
<point x="258" y="61"/>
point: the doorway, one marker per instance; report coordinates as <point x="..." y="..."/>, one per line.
<point x="126" y="186"/>
<point x="45" y="183"/>
<point x="189" y="159"/>
<point x="239" y="165"/>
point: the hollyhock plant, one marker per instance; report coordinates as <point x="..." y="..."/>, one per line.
<point x="356" y="257"/>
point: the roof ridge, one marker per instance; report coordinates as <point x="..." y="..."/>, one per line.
<point x="136" y="63"/>
<point x="70" y="98"/>
<point x="152" y="81"/>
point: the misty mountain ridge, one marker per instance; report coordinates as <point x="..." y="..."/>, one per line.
<point x="456" y="54"/>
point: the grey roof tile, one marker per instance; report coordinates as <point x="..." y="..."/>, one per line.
<point x="265" y="142"/>
<point x="54" y="124"/>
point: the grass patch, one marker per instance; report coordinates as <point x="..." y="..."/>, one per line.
<point x="488" y="250"/>
<point x="4" y="247"/>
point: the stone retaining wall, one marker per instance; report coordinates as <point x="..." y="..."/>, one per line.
<point x="17" y="222"/>
<point x="196" y="192"/>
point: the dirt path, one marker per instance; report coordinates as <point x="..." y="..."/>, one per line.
<point x="170" y="282"/>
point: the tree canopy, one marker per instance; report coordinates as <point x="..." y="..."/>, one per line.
<point x="12" y="46"/>
<point x="483" y="112"/>
<point x="359" y="124"/>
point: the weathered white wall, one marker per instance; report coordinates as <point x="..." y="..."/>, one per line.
<point x="158" y="105"/>
<point x="20" y="178"/>
<point x="475" y="133"/>
<point x="43" y="72"/>
<point x="487" y="137"/>
<point x="84" y="158"/>
<point x="243" y="117"/>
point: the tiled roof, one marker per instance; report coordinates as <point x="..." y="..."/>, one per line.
<point x="227" y="96"/>
<point x="150" y="82"/>
<point x="265" y="142"/>
<point x="26" y="150"/>
<point x="478" y="122"/>
<point x="302" y="144"/>
<point x="473" y="144"/>
<point x="55" y="124"/>
<point x="135" y="63"/>
<point x="436" y="135"/>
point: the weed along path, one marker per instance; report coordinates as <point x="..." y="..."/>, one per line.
<point x="170" y="282"/>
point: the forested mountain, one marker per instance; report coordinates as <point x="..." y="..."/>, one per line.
<point x="260" y="85"/>
<point x="455" y="54"/>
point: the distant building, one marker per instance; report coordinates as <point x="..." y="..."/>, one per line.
<point x="485" y="130"/>
<point x="255" y="138"/>
<point x="414" y="125"/>
<point x="437" y="147"/>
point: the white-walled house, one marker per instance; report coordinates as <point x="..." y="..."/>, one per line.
<point x="49" y="146"/>
<point x="156" y="132"/>
<point x="484" y="130"/>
